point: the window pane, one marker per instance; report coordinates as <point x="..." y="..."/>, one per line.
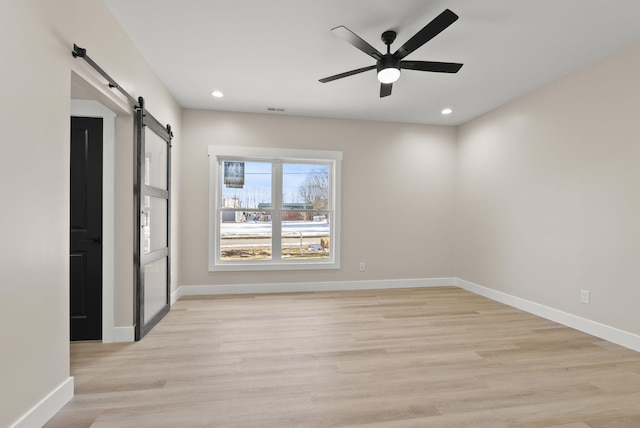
<point x="305" y="186"/>
<point x="245" y="235"/>
<point x="155" y="160"/>
<point x="155" y="288"/>
<point x="154" y="224"/>
<point x="246" y="184"/>
<point x="305" y="235"/>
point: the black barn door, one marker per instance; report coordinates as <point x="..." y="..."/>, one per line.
<point x="86" y="229"/>
<point x="153" y="207"/>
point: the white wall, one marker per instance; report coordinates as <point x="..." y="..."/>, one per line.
<point x="548" y="196"/>
<point x="36" y="38"/>
<point x="397" y="194"/>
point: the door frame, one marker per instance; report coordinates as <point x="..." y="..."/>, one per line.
<point x="93" y="108"/>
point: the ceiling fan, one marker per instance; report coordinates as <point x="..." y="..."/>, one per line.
<point x="389" y="65"/>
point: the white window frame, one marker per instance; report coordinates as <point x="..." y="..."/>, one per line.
<point x="217" y="154"/>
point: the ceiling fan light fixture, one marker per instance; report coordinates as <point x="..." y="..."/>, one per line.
<point x="388" y="75"/>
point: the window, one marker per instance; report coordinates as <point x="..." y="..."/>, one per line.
<point x="273" y="209"/>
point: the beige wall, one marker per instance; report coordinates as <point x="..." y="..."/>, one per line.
<point x="548" y="196"/>
<point x="397" y="194"/>
<point x="36" y="38"/>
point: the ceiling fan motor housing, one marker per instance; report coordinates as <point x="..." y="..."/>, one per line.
<point x="388" y="61"/>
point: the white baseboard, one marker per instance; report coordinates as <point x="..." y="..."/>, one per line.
<point x="608" y="333"/>
<point x="124" y="334"/>
<point x="176" y="295"/>
<point x="47" y="407"/>
<point x="206" y="290"/>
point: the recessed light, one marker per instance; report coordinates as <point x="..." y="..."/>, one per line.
<point x="446" y="111"/>
<point x="217" y="94"/>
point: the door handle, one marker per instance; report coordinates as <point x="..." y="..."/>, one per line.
<point x="89" y="241"/>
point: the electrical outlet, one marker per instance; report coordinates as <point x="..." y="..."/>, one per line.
<point x="363" y="266"/>
<point x="585" y="296"/>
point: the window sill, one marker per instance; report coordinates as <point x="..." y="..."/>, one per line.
<point x="271" y="266"/>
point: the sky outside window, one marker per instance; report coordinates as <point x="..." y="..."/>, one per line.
<point x="257" y="182"/>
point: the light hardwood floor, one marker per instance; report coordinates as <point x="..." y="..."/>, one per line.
<point x="434" y="357"/>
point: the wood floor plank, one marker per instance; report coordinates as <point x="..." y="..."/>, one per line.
<point x="434" y="357"/>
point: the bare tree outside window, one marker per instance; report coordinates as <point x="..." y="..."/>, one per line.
<point x="314" y="190"/>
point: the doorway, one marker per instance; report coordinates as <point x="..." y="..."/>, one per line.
<point x="85" y="258"/>
<point x="95" y="109"/>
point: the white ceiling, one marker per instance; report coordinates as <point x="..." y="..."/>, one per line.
<point x="271" y="53"/>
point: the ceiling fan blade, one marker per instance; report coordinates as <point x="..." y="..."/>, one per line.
<point x="385" y="89"/>
<point x="347" y="74"/>
<point x="355" y="40"/>
<point x="438" y="67"/>
<point x="427" y="33"/>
